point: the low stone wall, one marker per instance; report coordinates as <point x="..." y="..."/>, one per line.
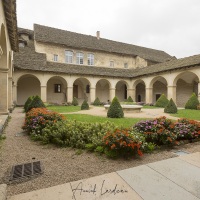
<point x="128" y="108"/>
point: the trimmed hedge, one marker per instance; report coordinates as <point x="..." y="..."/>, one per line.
<point x="75" y="102"/>
<point x="162" y="101"/>
<point x="28" y="101"/>
<point x="129" y="99"/>
<point x="115" y="110"/>
<point x="192" y="103"/>
<point x="97" y="102"/>
<point x="35" y="103"/>
<point x="171" y="107"/>
<point x="84" y="105"/>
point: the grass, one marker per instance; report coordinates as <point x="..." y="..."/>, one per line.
<point x="64" y="109"/>
<point x="122" y="122"/>
<point x="150" y="107"/>
<point x="187" y="113"/>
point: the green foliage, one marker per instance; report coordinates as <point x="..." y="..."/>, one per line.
<point x="75" y="102"/>
<point x="35" y="103"/>
<point x="99" y="149"/>
<point x="84" y="105"/>
<point x="97" y="102"/>
<point x="192" y="103"/>
<point x="171" y="107"/>
<point x="115" y="109"/>
<point x="129" y="99"/>
<point x="64" y="109"/>
<point x="90" y="147"/>
<point x="162" y="101"/>
<point x="28" y="101"/>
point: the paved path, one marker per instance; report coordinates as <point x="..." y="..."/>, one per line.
<point x="172" y="179"/>
<point x="145" y="113"/>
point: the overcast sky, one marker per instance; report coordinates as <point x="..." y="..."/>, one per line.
<point x="169" y="25"/>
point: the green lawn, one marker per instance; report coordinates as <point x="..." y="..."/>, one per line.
<point x="150" y="107"/>
<point x="64" y="109"/>
<point x="122" y="122"/>
<point x="189" y="114"/>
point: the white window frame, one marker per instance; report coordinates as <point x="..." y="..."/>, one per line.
<point x="69" y="56"/>
<point x="79" y="58"/>
<point x="90" y="59"/>
<point x="55" y="57"/>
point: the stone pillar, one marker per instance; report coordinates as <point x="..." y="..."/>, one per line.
<point x="69" y="93"/>
<point x="131" y="93"/>
<point x="171" y="93"/>
<point x="15" y="94"/>
<point x="3" y="91"/>
<point x="199" y="91"/>
<point x="10" y="93"/>
<point x="43" y="93"/>
<point x="149" y="95"/>
<point x="92" y="94"/>
<point x="112" y="94"/>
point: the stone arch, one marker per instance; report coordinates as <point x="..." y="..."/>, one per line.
<point x="27" y="85"/>
<point x="103" y="90"/>
<point x="159" y="85"/>
<point x="81" y="89"/>
<point x="186" y="83"/>
<point x="3" y="45"/>
<point x="121" y="90"/>
<point x="56" y="90"/>
<point x="140" y="92"/>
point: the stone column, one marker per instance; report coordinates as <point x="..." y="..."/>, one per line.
<point x="112" y="94"/>
<point x="14" y="94"/>
<point x="10" y="93"/>
<point x="199" y="91"/>
<point x="3" y="91"/>
<point x="92" y="94"/>
<point x="131" y="93"/>
<point x="149" y="95"/>
<point x="69" y="93"/>
<point x="43" y="93"/>
<point x="171" y="93"/>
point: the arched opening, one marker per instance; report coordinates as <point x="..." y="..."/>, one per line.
<point x="121" y="90"/>
<point x="81" y="90"/>
<point x="56" y="90"/>
<point x="159" y="85"/>
<point x="186" y="83"/>
<point x="103" y="90"/>
<point x="27" y="85"/>
<point x="140" y="91"/>
<point x="3" y="48"/>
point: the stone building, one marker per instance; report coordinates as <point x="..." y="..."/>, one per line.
<point x="8" y="43"/>
<point x="59" y="65"/>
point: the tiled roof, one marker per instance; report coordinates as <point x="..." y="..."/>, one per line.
<point x="76" y="40"/>
<point x="11" y="21"/>
<point x="28" y="59"/>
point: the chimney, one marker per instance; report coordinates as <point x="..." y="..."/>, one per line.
<point x="98" y="35"/>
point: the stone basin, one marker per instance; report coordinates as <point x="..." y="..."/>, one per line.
<point x="128" y="108"/>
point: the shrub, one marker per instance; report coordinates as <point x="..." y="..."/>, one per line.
<point x="121" y="143"/>
<point x="192" y="103"/>
<point x="28" y="101"/>
<point x="171" y="107"/>
<point x="129" y="99"/>
<point x="84" y="105"/>
<point x="157" y="131"/>
<point x="75" y="102"/>
<point x="38" y="118"/>
<point x="97" y="102"/>
<point x="115" y="109"/>
<point x="162" y="101"/>
<point x="35" y="103"/>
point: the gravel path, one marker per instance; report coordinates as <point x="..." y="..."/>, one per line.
<point x="62" y="165"/>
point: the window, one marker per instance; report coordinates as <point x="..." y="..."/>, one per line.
<point x="90" y="59"/>
<point x="125" y="65"/>
<point x="79" y="58"/>
<point x="87" y="88"/>
<point x="55" y="58"/>
<point x="111" y="63"/>
<point x="21" y="44"/>
<point x="57" y="88"/>
<point x="68" y="56"/>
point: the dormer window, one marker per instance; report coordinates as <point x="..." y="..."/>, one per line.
<point x="55" y="58"/>
<point x="79" y="58"/>
<point x="22" y="43"/>
<point x="90" y="59"/>
<point x="125" y="65"/>
<point x="68" y="56"/>
<point x="111" y="63"/>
